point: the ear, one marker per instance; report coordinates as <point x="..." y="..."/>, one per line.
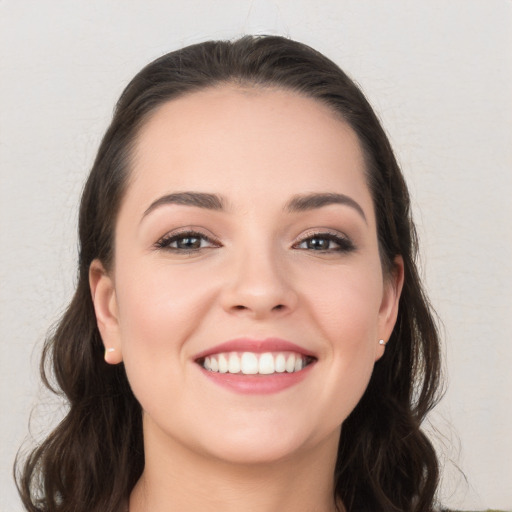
<point x="105" y="306"/>
<point x="388" y="312"/>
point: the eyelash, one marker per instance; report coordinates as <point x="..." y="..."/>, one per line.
<point x="166" y="241"/>
<point x="344" y="244"/>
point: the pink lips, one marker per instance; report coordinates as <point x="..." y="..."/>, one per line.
<point x="258" y="346"/>
<point x="256" y="384"/>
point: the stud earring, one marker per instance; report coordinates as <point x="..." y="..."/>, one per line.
<point x="382" y="342"/>
<point x="108" y="351"/>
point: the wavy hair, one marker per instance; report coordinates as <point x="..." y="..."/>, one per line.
<point x="94" y="457"/>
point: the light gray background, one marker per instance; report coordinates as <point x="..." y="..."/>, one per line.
<point x="439" y="74"/>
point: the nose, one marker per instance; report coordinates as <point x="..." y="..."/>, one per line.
<point x="259" y="286"/>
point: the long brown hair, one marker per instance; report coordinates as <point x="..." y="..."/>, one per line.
<point x="94" y="457"/>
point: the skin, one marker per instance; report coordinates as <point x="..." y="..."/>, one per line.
<point x="207" y="447"/>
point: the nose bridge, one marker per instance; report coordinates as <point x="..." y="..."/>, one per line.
<point x="259" y="282"/>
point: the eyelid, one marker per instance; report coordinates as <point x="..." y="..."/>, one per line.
<point x="193" y="231"/>
<point x="319" y="232"/>
<point x="334" y="235"/>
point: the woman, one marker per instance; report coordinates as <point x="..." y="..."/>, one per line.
<point x="249" y="331"/>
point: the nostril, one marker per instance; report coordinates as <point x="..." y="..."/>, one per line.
<point x="240" y="307"/>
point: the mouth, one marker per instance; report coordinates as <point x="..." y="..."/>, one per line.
<point x="254" y="363"/>
<point x="256" y="366"/>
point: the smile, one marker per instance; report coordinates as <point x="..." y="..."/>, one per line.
<point x="250" y="366"/>
<point x="252" y="363"/>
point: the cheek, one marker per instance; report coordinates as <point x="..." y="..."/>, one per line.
<point x="346" y="303"/>
<point x="158" y="308"/>
<point x="345" y="307"/>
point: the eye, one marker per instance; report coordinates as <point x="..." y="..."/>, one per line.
<point x="186" y="242"/>
<point x="325" y="242"/>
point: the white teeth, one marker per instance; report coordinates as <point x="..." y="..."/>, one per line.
<point x="234" y="363"/>
<point x="290" y="363"/>
<point x="223" y="364"/>
<point x="266" y="366"/>
<point x="280" y="363"/>
<point x="250" y="363"/>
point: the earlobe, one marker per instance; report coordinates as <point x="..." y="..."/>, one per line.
<point x="388" y="312"/>
<point x="105" y="307"/>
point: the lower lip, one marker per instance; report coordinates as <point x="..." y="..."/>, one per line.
<point x="257" y="384"/>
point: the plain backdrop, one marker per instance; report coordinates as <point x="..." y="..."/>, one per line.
<point x="439" y="74"/>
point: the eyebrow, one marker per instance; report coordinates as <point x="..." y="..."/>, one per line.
<point x="298" y="203"/>
<point x="197" y="199"/>
<point x="312" y="201"/>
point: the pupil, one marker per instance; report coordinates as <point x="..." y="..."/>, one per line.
<point x="318" y="243"/>
<point x="189" y="242"/>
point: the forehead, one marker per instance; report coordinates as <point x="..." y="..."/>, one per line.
<point x="272" y="140"/>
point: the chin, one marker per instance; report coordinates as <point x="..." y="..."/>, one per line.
<point x="269" y="443"/>
<point x="258" y="452"/>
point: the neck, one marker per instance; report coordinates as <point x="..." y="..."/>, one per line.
<point x="177" y="479"/>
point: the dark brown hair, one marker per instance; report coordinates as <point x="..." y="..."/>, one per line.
<point x="92" y="460"/>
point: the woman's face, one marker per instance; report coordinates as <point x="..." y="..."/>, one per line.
<point x="247" y="297"/>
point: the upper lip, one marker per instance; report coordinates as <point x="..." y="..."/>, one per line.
<point x="254" y="345"/>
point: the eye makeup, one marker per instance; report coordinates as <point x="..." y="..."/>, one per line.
<point x="325" y="242"/>
<point x="186" y="241"/>
<point x="191" y="240"/>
